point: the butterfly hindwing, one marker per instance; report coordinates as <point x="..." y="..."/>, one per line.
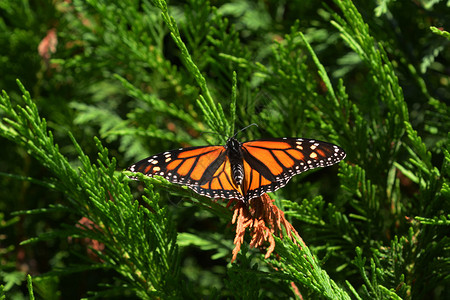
<point x="220" y="183"/>
<point x="269" y="164"/>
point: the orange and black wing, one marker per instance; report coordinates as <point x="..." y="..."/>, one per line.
<point x="206" y="170"/>
<point x="269" y="164"/>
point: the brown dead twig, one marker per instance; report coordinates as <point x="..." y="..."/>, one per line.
<point x="263" y="219"/>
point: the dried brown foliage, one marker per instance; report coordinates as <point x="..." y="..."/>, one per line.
<point x="86" y="224"/>
<point x="263" y="219"/>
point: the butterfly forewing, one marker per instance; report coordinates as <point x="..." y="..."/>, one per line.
<point x="271" y="163"/>
<point x="183" y="166"/>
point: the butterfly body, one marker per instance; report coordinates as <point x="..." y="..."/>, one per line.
<point x="238" y="170"/>
<point x="234" y="153"/>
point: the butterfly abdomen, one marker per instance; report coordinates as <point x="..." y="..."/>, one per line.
<point x="238" y="172"/>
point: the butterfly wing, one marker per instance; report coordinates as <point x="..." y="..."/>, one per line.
<point x="206" y="170"/>
<point x="269" y="164"/>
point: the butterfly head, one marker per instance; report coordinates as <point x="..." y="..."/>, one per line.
<point x="233" y="145"/>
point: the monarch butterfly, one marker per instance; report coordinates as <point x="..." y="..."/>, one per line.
<point x="237" y="170"/>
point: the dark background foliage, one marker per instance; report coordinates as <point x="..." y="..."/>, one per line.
<point x="377" y="223"/>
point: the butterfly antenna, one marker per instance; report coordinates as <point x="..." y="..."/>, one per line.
<point x="253" y="124"/>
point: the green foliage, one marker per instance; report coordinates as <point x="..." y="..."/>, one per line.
<point x="134" y="78"/>
<point x="30" y="287"/>
<point x="128" y="230"/>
